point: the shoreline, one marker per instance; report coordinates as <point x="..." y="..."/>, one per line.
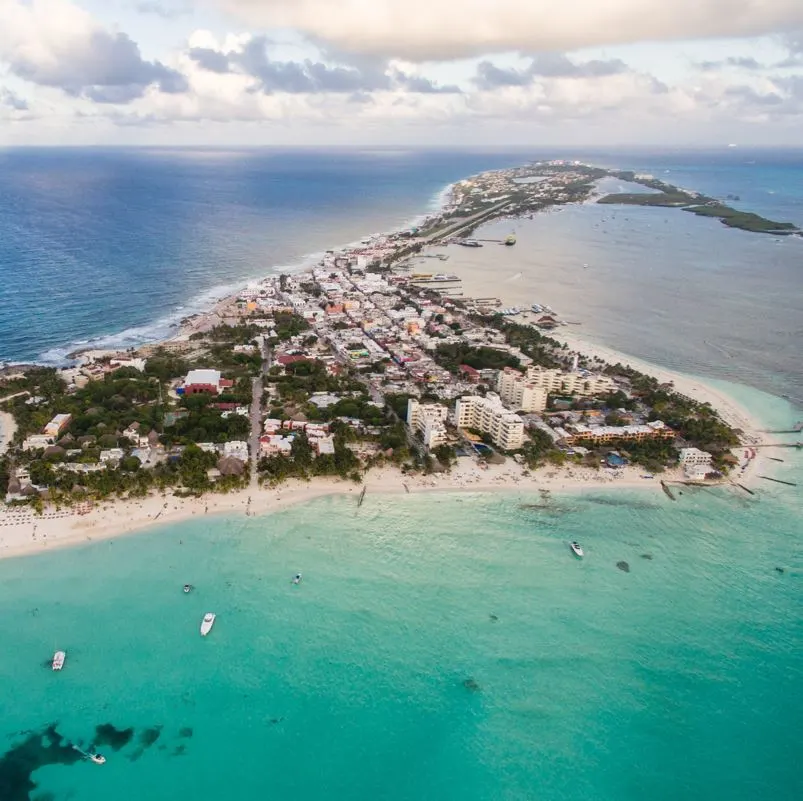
<point x="26" y="533"/>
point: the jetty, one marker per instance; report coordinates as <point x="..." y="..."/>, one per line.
<point x="362" y="495"/>
<point x="779" y="481"/>
<point x="667" y="491"/>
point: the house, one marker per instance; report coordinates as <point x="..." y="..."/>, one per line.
<point x="275" y="445"/>
<point x="204" y="381"/>
<point x="469" y="373"/>
<point x="112" y="456"/>
<point x="236" y="449"/>
<point x="37" y="441"/>
<point x="57" y="425"/>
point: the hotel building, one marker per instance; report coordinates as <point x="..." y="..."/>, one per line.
<point x="518" y="393"/>
<point x="489" y="416"/>
<point x="429" y="420"/>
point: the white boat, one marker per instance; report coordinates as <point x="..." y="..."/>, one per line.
<point x="98" y="759"/>
<point x="58" y="660"/>
<point x="297" y="578"/>
<point x="207" y="623"/>
<point x="576" y="549"/>
<point x="187" y="587"/>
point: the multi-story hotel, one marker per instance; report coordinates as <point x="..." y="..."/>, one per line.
<point x="517" y="392"/>
<point x="489" y="416"/>
<point x="603" y="434"/>
<point x="558" y="382"/>
<point x="429" y="420"/>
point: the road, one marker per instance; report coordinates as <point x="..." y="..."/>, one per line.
<point x="466" y="222"/>
<point x="256" y="426"/>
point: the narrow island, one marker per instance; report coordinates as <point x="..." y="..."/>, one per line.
<point x="358" y="371"/>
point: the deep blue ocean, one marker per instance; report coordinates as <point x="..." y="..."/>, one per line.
<point x="442" y="647"/>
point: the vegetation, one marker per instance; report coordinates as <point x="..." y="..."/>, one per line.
<point x="480" y="358"/>
<point x="302" y="462"/>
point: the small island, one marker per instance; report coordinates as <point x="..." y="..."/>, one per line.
<point x="669" y="196"/>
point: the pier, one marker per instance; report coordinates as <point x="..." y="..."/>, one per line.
<point x="362" y="495"/>
<point x="779" y="481"/>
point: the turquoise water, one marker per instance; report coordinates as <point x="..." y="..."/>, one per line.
<point x="440" y="647"/>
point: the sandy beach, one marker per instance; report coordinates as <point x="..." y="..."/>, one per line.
<point x="23" y="532"/>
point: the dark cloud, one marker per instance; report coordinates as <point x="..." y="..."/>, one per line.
<point x="545" y="65"/>
<point x="739" y="62"/>
<point x="311" y="77"/>
<point x="165" y="10"/>
<point x="11" y="100"/>
<point x="750" y="96"/>
<point x="108" y="69"/>
<point x="212" y="60"/>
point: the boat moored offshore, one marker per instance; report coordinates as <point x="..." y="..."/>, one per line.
<point x="207" y="623"/>
<point x="576" y="549"/>
<point x="58" y="660"/>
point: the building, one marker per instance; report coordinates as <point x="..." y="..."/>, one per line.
<point x="558" y="382"/>
<point x="236" y="449"/>
<point x="696" y="464"/>
<point x="601" y="434"/>
<point x="57" y="425"/>
<point x="37" y="441"/>
<point x="204" y="381"/>
<point x="428" y="420"/>
<point x="518" y="393"/>
<point x="489" y="416"/>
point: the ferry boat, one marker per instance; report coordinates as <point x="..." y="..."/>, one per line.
<point x="58" y="660"/>
<point x="207" y="623"/>
<point x="576" y="549"/>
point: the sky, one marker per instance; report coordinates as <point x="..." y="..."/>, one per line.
<point x="490" y="73"/>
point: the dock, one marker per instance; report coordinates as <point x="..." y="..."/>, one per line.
<point x="665" y="488"/>
<point x="362" y="495"/>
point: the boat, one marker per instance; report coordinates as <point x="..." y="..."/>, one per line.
<point x="187" y="587"/>
<point x="510" y="240"/>
<point x="58" y="660"/>
<point x="297" y="578"/>
<point x="576" y="549"/>
<point x="95" y="757"/>
<point x="207" y="623"/>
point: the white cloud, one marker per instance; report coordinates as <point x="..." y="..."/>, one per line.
<point x="433" y="30"/>
<point x="56" y="43"/>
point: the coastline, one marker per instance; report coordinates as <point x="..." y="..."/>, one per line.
<point x="22" y="534"/>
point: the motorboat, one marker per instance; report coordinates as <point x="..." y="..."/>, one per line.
<point x="58" y="660"/>
<point x="98" y="759"/>
<point x="576" y="549"/>
<point x="297" y="578"/>
<point x="207" y="623"/>
<point x="187" y="587"/>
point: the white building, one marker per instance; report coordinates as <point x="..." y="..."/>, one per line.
<point x="111" y="456"/>
<point x="37" y="441"/>
<point x="518" y="393"/>
<point x="236" y="449"/>
<point x="489" y="416"/>
<point x="696" y="464"/>
<point x="558" y="382"/>
<point x="429" y="420"/>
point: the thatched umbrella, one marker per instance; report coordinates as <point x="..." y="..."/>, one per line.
<point x="229" y="466"/>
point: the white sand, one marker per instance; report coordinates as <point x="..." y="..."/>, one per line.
<point x="23" y="532"/>
<point x="8" y="428"/>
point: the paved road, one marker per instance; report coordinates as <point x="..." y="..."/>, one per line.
<point x="256" y="426"/>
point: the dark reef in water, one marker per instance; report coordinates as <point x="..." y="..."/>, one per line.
<point x="471" y="685"/>
<point x="46" y="746"/>
<point x="107" y="734"/>
<point x="623" y="566"/>
<point x="602" y="500"/>
<point x="37" y="750"/>
<point x="647" y="556"/>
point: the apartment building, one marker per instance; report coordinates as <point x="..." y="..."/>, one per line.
<point x="518" y="393"/>
<point x="428" y="420"/>
<point x="489" y="416"/>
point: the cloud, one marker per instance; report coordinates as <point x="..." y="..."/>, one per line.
<point x="165" y="10"/>
<point x="55" y="43"/>
<point x="739" y="62"/>
<point x="545" y="65"/>
<point x="433" y="30"/>
<point x="250" y="57"/>
<point x="12" y="101"/>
